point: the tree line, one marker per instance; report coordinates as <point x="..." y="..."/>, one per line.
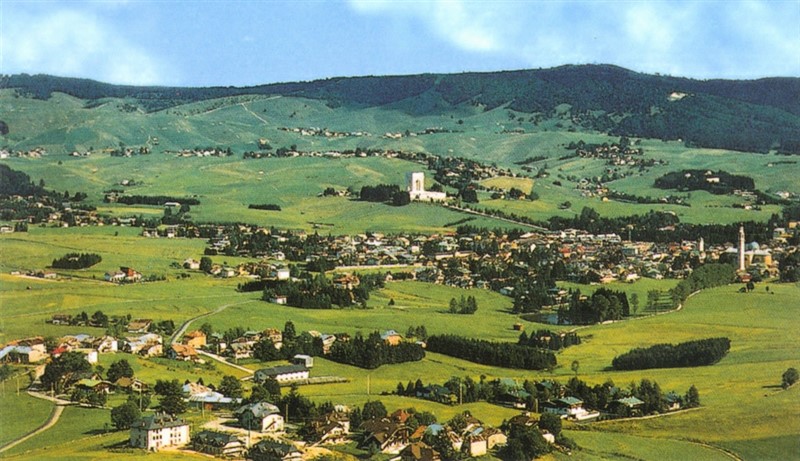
<point x="264" y="206"/>
<point x="372" y="351"/>
<point x="508" y="355"/>
<point x="660" y="227"/>
<point x="688" y="354"/>
<point x="705" y="276"/>
<point x="76" y="261"/>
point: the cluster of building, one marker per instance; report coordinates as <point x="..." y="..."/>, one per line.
<point x="37" y="152"/>
<point x="205" y="152"/>
<point x="456" y="259"/>
<point x="262" y="421"/>
<point x="324" y="132"/>
<point x="123" y="275"/>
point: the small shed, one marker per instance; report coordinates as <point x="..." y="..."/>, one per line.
<point x="302" y="359"/>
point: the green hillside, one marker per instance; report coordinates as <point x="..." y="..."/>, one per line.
<point x="741" y="115"/>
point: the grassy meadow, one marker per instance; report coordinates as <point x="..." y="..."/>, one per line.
<point x="225" y="186"/>
<point x="743" y="409"/>
<point x="742" y="387"/>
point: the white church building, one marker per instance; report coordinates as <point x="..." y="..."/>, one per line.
<point x="416" y="188"/>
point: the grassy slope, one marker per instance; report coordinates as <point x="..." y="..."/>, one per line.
<point x="62" y="124"/>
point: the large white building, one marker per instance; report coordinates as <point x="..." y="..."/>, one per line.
<point x="282" y="374"/>
<point x="415" y="182"/>
<point x="261" y="416"/>
<point x="159" y="431"/>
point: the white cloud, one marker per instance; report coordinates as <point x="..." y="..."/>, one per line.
<point x="468" y="25"/>
<point x="74" y="43"/>
<point x="705" y="39"/>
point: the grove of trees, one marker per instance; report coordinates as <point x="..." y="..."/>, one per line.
<point x="76" y="261"/>
<point x="508" y="355"/>
<point x="688" y="354"/>
<point x="372" y="351"/>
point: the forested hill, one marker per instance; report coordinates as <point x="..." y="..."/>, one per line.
<point x="754" y="115"/>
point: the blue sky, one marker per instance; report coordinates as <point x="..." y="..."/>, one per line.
<point x="200" y="43"/>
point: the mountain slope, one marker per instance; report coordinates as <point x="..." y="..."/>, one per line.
<point x="756" y="115"/>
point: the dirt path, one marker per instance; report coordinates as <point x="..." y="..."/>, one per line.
<point x="58" y="408"/>
<point x="724" y="451"/>
<point x="180" y="331"/>
<point x="254" y="114"/>
<point x="222" y="360"/>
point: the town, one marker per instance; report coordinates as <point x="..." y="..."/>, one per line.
<point x="276" y="422"/>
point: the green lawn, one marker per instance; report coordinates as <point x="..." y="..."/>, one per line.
<point x="12" y="426"/>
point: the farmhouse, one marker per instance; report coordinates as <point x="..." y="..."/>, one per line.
<point x="282" y="374"/>
<point x="261" y="416"/>
<point x="181" y="352"/>
<point x="23" y="352"/>
<point x="191" y="264"/>
<point x="391" y="337"/>
<point x="159" y="431"/>
<point x="389" y="436"/>
<point x="270" y="450"/>
<point x="332" y="428"/>
<point x="629" y="405"/>
<point x="130" y="384"/>
<point x="195" y="339"/>
<point x="419" y="451"/>
<point x="139" y="325"/>
<point x="148" y="345"/>
<point x="218" y="444"/>
<point x="212" y="400"/>
<point x="566" y="407"/>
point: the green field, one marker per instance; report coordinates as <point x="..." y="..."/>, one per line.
<point x="36" y="411"/>
<point x="743" y="386"/>
<point x="225" y="186"/>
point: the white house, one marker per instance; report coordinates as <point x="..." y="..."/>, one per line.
<point x="262" y="416"/>
<point x="567" y="407"/>
<point x="282" y="273"/>
<point x="159" y="431"/>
